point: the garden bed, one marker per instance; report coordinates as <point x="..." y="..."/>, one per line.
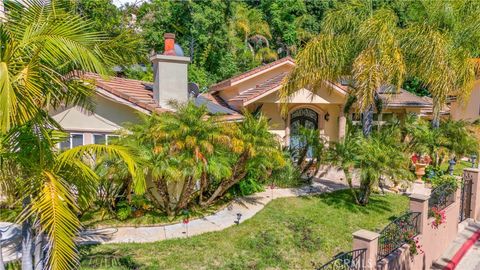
<point x="289" y="233"/>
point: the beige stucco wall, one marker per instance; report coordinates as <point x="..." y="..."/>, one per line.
<point x="108" y="117"/>
<point x="328" y="129"/>
<point x="470" y="110"/>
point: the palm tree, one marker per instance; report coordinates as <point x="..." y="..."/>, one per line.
<point x="40" y="44"/>
<point x="358" y="45"/>
<point x="309" y="152"/>
<point x="253" y="146"/>
<point x="343" y="154"/>
<point x="52" y="187"/>
<point x="254" y="31"/>
<point x="441" y="43"/>
<point x="40" y="47"/>
<point x="381" y="158"/>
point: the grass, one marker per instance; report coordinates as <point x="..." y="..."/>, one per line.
<point x="99" y="218"/>
<point x="289" y="233"/>
<point x="458" y="169"/>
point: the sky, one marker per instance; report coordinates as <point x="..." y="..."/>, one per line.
<point x="119" y="3"/>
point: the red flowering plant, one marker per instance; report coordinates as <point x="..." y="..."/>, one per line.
<point x="414" y="247"/>
<point x="421" y="159"/>
<point x="439" y="217"/>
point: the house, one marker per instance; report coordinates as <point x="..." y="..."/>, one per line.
<point x="258" y="90"/>
<point x="470" y="110"/>
<point x="120" y="100"/>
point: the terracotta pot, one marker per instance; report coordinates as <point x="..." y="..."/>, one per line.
<point x="420" y="170"/>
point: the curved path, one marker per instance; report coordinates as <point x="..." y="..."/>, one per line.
<point x="246" y="206"/>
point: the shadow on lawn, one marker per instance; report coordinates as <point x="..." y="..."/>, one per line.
<point x="106" y="259"/>
<point x="342" y="199"/>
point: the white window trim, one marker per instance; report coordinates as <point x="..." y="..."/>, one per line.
<point x="70" y="134"/>
<point x="76" y="133"/>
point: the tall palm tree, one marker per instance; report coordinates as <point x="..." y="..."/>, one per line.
<point x="365" y="47"/>
<point x="441" y="43"/>
<point x="40" y="46"/>
<point x="250" y="25"/>
<point x="358" y="45"/>
<point x="52" y="186"/>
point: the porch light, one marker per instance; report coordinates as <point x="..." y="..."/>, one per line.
<point x="473" y="158"/>
<point x="327" y="116"/>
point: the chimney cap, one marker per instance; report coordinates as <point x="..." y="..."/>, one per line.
<point x="169" y="35"/>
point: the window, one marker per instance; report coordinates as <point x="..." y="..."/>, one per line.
<point x="111" y="138"/>
<point x="104" y="139"/>
<point x="75" y="139"/>
<point x="99" y="139"/>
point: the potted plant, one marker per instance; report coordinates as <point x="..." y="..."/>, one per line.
<point x="420" y="162"/>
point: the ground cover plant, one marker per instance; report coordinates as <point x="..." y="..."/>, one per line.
<point x="289" y="233"/>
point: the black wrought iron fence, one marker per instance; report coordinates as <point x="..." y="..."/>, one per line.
<point x="353" y="260"/>
<point x="466" y="198"/>
<point x="441" y="197"/>
<point x="401" y="231"/>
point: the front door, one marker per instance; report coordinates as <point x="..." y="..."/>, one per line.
<point x="301" y="118"/>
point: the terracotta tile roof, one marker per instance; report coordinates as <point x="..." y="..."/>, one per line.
<point x="228" y="82"/>
<point x="260" y="89"/>
<point x="140" y="93"/>
<point x="403" y="98"/>
<point x="130" y="90"/>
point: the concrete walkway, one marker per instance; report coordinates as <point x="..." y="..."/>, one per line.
<point x="471" y="260"/>
<point x="466" y="229"/>
<point x="244" y="208"/>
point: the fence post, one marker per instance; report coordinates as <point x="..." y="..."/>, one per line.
<point x="419" y="203"/>
<point x="369" y="241"/>
<point x="474" y="175"/>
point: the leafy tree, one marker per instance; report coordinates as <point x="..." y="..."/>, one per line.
<point x="357" y="42"/>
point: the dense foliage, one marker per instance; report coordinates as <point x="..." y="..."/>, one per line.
<point x="193" y="159"/>
<point x="41" y="44"/>
<point x="367" y="47"/>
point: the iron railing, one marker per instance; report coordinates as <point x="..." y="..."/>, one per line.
<point x="466" y="198"/>
<point x="441" y="197"/>
<point x="353" y="260"/>
<point x="398" y="233"/>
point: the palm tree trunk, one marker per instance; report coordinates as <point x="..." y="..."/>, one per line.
<point x="27" y="244"/>
<point x="239" y="173"/>
<point x="365" y="191"/>
<point x="2" y="263"/>
<point x="203" y="186"/>
<point x="436" y="115"/>
<point x="367" y="121"/>
<point x="348" y="177"/>
<point x="165" y="195"/>
<point x="187" y="191"/>
<point x="38" y="252"/>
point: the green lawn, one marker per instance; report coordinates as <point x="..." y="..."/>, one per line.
<point x="289" y="233"/>
<point x="458" y="169"/>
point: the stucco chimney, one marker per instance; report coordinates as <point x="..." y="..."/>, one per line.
<point x="170" y="73"/>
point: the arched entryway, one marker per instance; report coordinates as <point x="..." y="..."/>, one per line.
<point x="301" y="118"/>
